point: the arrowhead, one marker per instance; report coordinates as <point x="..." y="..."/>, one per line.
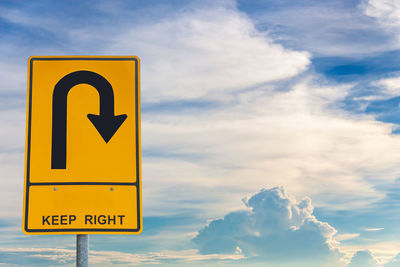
<point x="107" y="126"/>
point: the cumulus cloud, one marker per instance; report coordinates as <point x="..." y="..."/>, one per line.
<point x="364" y="259"/>
<point x="275" y="228"/>
<point x="382" y="251"/>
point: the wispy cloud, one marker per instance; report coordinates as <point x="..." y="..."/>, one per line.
<point x="341" y="237"/>
<point x="206" y="53"/>
<point x="324" y="28"/>
<point x="390" y="86"/>
<point x="266" y="137"/>
<point x="66" y="257"/>
<point x="373" y="229"/>
<point x="385" y="11"/>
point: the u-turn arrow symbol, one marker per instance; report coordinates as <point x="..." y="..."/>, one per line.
<point x="106" y="123"/>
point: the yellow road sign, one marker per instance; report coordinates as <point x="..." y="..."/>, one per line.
<point x="82" y="155"/>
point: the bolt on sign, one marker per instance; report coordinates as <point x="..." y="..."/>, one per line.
<point x="82" y="159"/>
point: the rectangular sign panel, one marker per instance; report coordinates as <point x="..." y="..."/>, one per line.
<point x="82" y="156"/>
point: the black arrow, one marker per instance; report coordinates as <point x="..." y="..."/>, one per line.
<point x="106" y="123"/>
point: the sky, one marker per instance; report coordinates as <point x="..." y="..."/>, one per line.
<point x="270" y="129"/>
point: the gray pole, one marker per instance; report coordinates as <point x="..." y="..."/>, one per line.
<point x="82" y="250"/>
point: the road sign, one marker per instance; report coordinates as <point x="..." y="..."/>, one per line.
<point x="82" y="162"/>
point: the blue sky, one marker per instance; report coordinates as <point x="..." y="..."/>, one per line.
<point x="270" y="129"/>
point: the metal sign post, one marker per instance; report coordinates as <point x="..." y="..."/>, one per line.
<point x="82" y="250"/>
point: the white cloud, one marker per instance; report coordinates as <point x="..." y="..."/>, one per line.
<point x="275" y="229"/>
<point x="382" y="252"/>
<point x="364" y="259"/>
<point x="66" y="257"/>
<point x="386" y="15"/>
<point x="395" y="262"/>
<point x="12" y="132"/>
<point x="324" y="28"/>
<point x="373" y="229"/>
<point x="341" y="237"/>
<point x="389" y="88"/>
<point x="265" y="137"/>
<point x="204" y="52"/>
<point x="387" y="12"/>
<point x="13" y="77"/>
<point x="391" y="84"/>
<point x="36" y="256"/>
